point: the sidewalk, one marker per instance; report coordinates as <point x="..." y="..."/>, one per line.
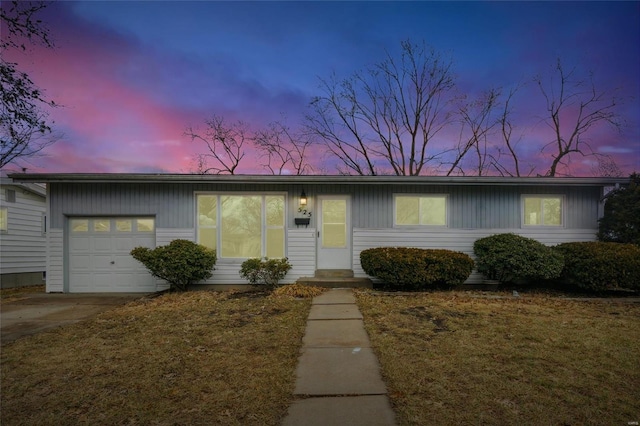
<point x="338" y="375"/>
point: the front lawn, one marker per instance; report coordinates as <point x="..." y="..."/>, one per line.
<point x="197" y="358"/>
<point x="453" y="358"/>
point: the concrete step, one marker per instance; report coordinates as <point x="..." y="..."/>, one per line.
<point x="336" y="282"/>
<point x="333" y="273"/>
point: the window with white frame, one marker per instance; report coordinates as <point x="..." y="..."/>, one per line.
<point x="542" y="210"/>
<point x="242" y="225"/>
<point x="4" y="219"/>
<point x="420" y="210"/>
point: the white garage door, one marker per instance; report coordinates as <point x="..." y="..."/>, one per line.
<point x="99" y="259"/>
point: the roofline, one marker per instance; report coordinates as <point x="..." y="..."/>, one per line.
<point x="33" y="187"/>
<point x="310" y="179"/>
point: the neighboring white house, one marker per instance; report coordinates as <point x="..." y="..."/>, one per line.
<point x="96" y="219"/>
<point x="22" y="234"/>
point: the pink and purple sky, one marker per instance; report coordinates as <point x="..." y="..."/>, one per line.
<point x="131" y="76"/>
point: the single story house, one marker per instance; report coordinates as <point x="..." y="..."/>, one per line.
<point x="318" y="222"/>
<point x="22" y="234"/>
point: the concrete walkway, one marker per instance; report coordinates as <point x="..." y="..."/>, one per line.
<point x="338" y="375"/>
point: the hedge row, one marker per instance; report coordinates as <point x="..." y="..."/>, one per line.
<point x="407" y="268"/>
<point x="595" y="266"/>
<point x="509" y="258"/>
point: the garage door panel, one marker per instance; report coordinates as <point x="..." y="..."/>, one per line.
<point x="79" y="244"/>
<point x="102" y="243"/>
<point x="100" y="259"/>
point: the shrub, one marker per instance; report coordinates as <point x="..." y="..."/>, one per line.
<point x="408" y="268"/>
<point x="265" y="271"/>
<point x="511" y="258"/>
<point x="599" y="266"/>
<point x="180" y="263"/>
<point x="621" y="220"/>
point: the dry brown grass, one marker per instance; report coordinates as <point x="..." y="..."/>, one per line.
<point x="13" y="294"/>
<point x="196" y="358"/>
<point x="451" y="358"/>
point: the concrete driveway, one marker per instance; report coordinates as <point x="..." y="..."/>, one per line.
<point x="37" y="312"/>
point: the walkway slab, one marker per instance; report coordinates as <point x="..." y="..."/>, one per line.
<point x="331" y="333"/>
<point x="335" y="296"/>
<point x="334" y="312"/>
<point x="338" y="371"/>
<point x="366" y="410"/>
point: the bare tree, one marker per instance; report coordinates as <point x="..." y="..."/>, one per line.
<point x="284" y="150"/>
<point x="24" y="127"/>
<point x="477" y="118"/>
<point x="573" y="106"/>
<point x="384" y="120"/>
<point x="225" y="144"/>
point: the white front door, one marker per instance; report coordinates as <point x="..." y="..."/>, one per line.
<point x="334" y="232"/>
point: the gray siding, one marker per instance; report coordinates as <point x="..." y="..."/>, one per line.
<point x="23" y="246"/>
<point x="173" y="205"/>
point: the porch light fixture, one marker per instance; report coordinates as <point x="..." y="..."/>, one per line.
<point x="303" y="199"/>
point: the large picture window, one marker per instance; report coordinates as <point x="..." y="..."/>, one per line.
<point x="241" y="225"/>
<point x="542" y="210"/>
<point x="420" y="210"/>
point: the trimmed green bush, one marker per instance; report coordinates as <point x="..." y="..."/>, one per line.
<point x="180" y="263"/>
<point x="265" y="271"/>
<point x="621" y="220"/>
<point x="600" y="266"/>
<point x="512" y="258"/>
<point x="407" y="268"/>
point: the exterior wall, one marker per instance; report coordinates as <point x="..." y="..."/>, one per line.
<point x="474" y="212"/>
<point x="23" y="245"/>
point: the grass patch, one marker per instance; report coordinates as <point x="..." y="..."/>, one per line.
<point x="451" y="358"/>
<point x="190" y="358"/>
<point x="17" y="293"/>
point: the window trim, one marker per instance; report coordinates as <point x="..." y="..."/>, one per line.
<point x="263" y="220"/>
<point x="562" y="198"/>
<point x="422" y="195"/>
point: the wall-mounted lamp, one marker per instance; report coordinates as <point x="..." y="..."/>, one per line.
<point x="303" y="199"/>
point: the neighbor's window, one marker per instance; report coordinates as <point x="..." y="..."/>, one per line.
<point x="4" y="219"/>
<point x="242" y="226"/>
<point x="542" y="210"/>
<point x="421" y="210"/>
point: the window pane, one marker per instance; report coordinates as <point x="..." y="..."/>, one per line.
<point x="532" y="214"/>
<point x="207" y="210"/>
<point x="433" y="211"/>
<point x="3" y="219"/>
<point x="124" y="225"/>
<point x="207" y="237"/>
<point x="334" y="220"/>
<point x="275" y="242"/>
<point x="101" y="225"/>
<point x="407" y="210"/>
<point x="145" y="225"/>
<point x="275" y="210"/>
<point x="552" y="208"/>
<point x="241" y="233"/>
<point x="79" y="225"/>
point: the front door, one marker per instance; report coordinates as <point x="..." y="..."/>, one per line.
<point x="334" y="232"/>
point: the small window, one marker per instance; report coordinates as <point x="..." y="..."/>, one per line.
<point x="102" y="225"/>
<point x="542" y="210"/>
<point x="420" y="210"/>
<point x="4" y="219"/>
<point x="79" y="225"/>
<point x="145" y="225"/>
<point x="124" y="225"/>
<point x="10" y="195"/>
